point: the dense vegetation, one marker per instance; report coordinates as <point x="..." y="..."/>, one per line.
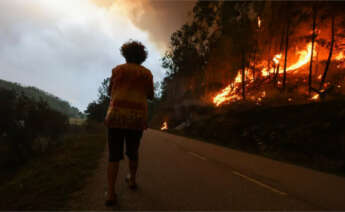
<point x="37" y="95"/>
<point x="96" y="110"/>
<point x="27" y="128"/>
<point x="37" y="142"/>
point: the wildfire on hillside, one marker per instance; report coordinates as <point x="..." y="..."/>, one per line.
<point x="232" y="92"/>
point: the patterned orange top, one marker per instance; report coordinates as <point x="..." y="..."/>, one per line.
<point x="130" y="86"/>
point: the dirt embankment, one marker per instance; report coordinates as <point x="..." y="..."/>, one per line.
<point x="311" y="135"/>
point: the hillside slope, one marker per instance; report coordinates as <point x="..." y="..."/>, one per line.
<point x="308" y="134"/>
<point x="36" y="94"/>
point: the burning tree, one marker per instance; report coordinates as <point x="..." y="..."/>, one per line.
<point x="253" y="51"/>
<point x="267" y="53"/>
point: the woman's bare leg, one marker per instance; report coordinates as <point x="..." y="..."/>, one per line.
<point x="133" y="167"/>
<point x="113" y="168"/>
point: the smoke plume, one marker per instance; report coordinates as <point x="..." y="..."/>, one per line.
<point x="158" y="18"/>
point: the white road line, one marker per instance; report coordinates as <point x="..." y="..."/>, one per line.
<point x="259" y="183"/>
<point x="197" y="155"/>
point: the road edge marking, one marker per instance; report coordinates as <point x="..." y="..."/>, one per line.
<point x="259" y="183"/>
<point x="197" y="155"/>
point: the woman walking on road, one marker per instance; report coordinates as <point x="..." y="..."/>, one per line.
<point x="131" y="84"/>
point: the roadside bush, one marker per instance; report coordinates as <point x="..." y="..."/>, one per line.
<point x="22" y="122"/>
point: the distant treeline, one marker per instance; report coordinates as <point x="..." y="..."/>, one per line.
<point x="36" y="94"/>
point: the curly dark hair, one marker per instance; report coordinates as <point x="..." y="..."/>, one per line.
<point x="134" y="52"/>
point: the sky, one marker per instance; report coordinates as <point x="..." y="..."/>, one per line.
<point x="67" y="47"/>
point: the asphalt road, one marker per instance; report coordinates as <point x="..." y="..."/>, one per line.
<point x="178" y="173"/>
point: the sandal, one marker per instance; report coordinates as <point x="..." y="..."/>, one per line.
<point x="131" y="185"/>
<point x="111" y="202"/>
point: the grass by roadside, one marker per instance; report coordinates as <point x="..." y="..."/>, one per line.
<point x="309" y="135"/>
<point x="46" y="182"/>
<point x="271" y="155"/>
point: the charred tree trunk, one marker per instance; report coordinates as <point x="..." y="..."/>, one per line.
<point x="278" y="65"/>
<point x="254" y="63"/>
<point x="323" y="79"/>
<point x="276" y="76"/>
<point x="276" y="73"/>
<point x="312" y="50"/>
<point x="243" y="76"/>
<point x="269" y="59"/>
<point x="286" y="52"/>
<point x="317" y="61"/>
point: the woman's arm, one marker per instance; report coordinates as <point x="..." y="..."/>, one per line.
<point x="111" y="83"/>
<point x="110" y="86"/>
<point x="150" y="93"/>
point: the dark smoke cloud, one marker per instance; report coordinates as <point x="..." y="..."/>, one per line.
<point x="159" y="18"/>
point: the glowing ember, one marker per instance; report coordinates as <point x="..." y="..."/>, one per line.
<point x="238" y="78"/>
<point x="340" y="56"/>
<point x="264" y="72"/>
<point x="164" y="126"/>
<point x="259" y="22"/>
<point x="290" y="99"/>
<point x="263" y="94"/>
<point x="315" y="97"/>
<point x="277" y="58"/>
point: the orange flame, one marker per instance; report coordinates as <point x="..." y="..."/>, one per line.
<point x="232" y="92"/>
<point x="263" y="94"/>
<point x="315" y="97"/>
<point x="276" y="58"/>
<point x="304" y="58"/>
<point x="228" y="94"/>
<point x="340" y="56"/>
<point x="164" y="126"/>
<point x="259" y="22"/>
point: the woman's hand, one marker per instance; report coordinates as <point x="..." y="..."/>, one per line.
<point x="106" y="122"/>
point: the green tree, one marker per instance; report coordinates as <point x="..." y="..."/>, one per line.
<point x="97" y="110"/>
